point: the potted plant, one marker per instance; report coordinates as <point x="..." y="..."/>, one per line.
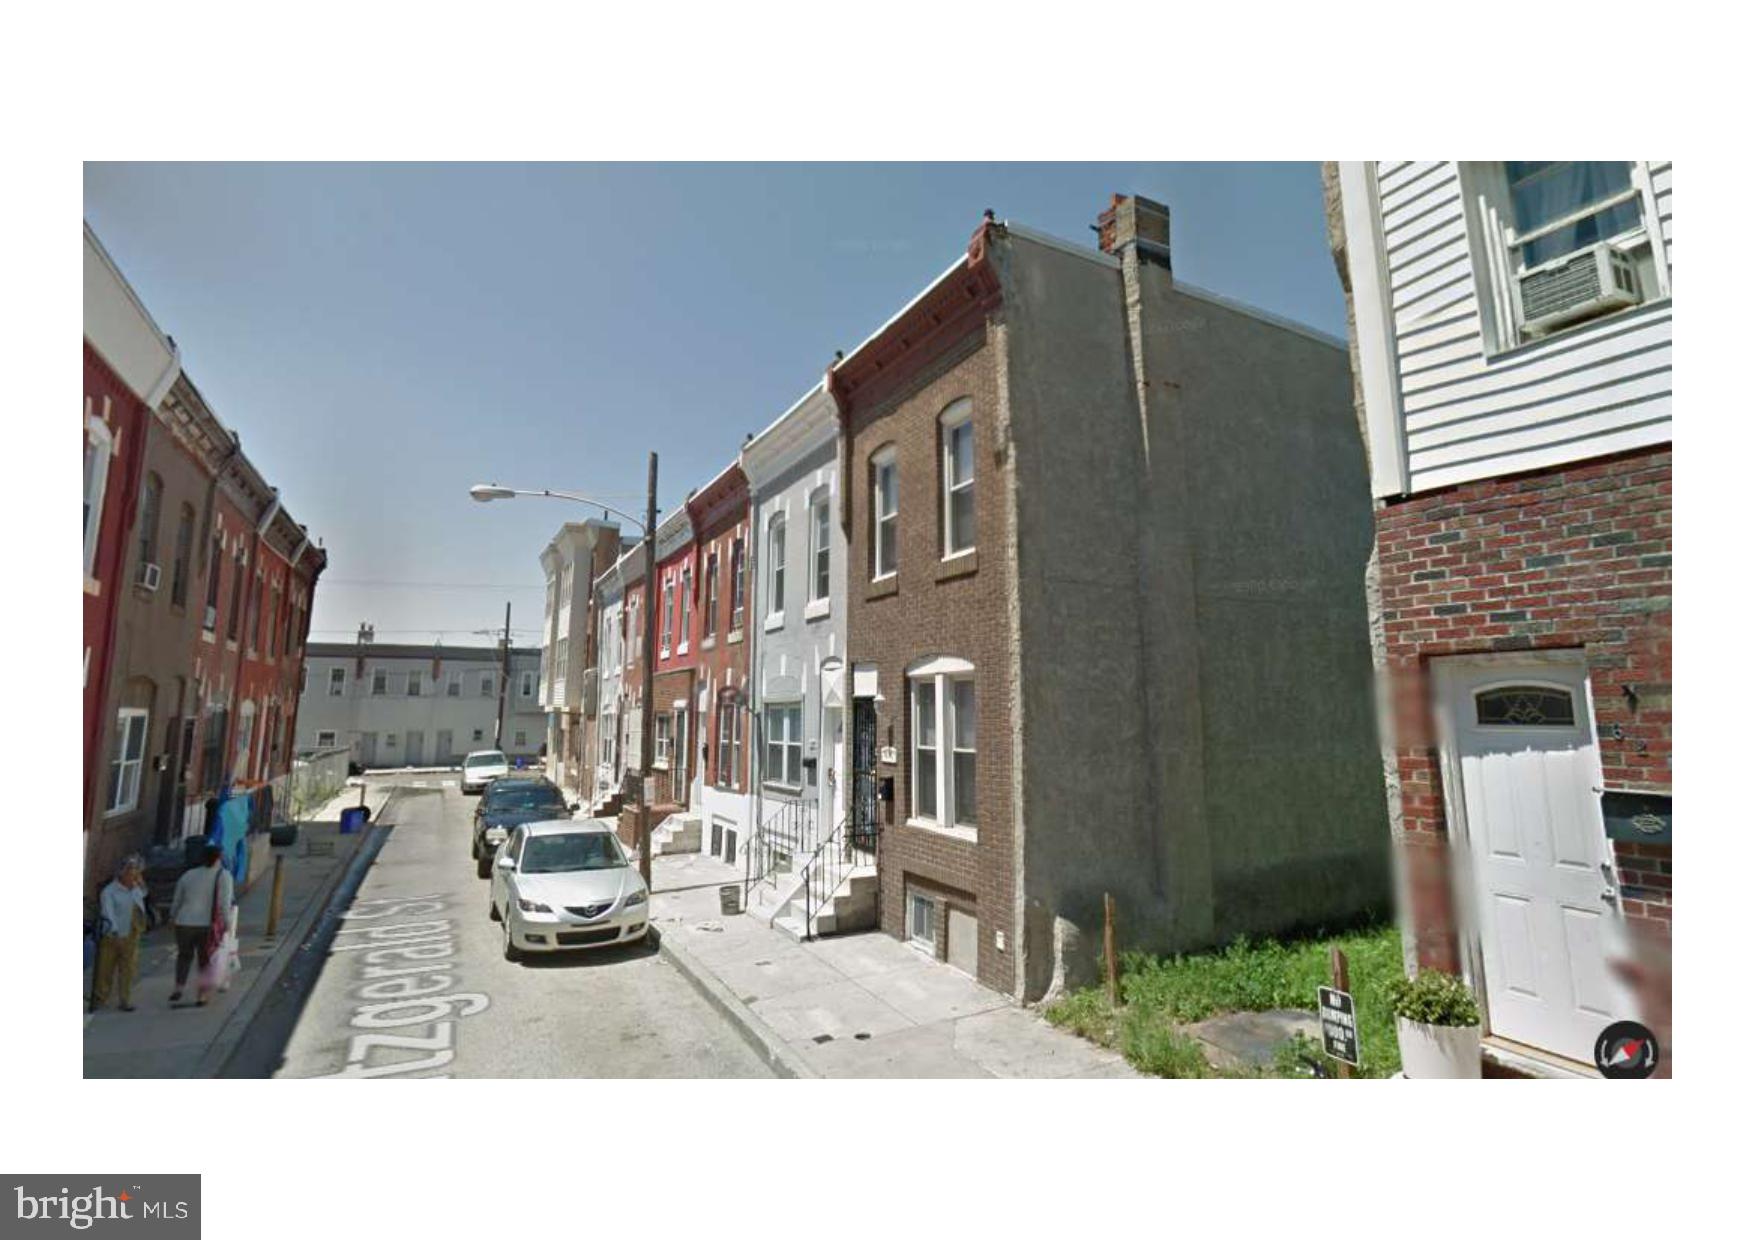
<point x="1438" y="1026"/>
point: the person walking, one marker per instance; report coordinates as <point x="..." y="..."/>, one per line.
<point x="123" y="919"/>
<point x="199" y="908"/>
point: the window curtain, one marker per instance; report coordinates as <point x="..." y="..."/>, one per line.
<point x="1545" y="191"/>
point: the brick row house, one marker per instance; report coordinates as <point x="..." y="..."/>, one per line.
<point x="1511" y="338"/>
<point x="579" y="553"/>
<point x="673" y="682"/>
<point x="194" y="666"/>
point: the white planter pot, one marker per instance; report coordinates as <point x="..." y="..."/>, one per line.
<point x="1439" y="1052"/>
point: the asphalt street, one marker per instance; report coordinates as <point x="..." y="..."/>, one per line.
<point x="413" y="983"/>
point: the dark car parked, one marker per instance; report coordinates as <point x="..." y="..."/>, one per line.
<point x="507" y="802"/>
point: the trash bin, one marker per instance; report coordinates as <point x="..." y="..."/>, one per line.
<point x="353" y="818"/>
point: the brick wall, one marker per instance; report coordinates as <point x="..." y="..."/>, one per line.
<point x="1576" y="557"/>
<point x="937" y="608"/>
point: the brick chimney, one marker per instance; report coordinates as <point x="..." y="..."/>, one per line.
<point x="1135" y="223"/>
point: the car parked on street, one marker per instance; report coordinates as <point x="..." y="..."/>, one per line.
<point x="482" y="767"/>
<point x="507" y="802"/>
<point x="558" y="886"/>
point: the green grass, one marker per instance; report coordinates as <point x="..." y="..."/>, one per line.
<point x="1161" y="994"/>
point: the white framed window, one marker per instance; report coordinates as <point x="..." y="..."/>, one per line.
<point x="129" y="760"/>
<point x="487" y="684"/>
<point x="98" y="444"/>
<point x="661" y="748"/>
<point x="518" y="739"/>
<point x="923" y="921"/>
<point x="884" y="501"/>
<point x="710" y="623"/>
<point x="606" y="740"/>
<point x="819" y="547"/>
<point x="636" y="635"/>
<point x="783" y="762"/>
<point x="415" y="676"/>
<point x="475" y="736"/>
<point x="737" y="583"/>
<point x="337" y="681"/>
<point x="244" y="741"/>
<point x="943" y="730"/>
<point x="380" y="682"/>
<point x="526" y="684"/>
<point x="957" y="443"/>
<point x="777" y="565"/>
<point x="325" y="740"/>
<point x="454" y="685"/>
<point x="669" y="616"/>
<point x="730" y="743"/>
<point x="688" y="604"/>
<point x="389" y="740"/>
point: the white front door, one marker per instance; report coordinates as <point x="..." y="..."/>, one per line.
<point x="1520" y="743"/>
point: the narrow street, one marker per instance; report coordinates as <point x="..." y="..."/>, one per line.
<point x="445" y="1002"/>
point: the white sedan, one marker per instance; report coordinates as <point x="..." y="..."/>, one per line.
<point x="482" y="767"/>
<point x="565" y="884"/>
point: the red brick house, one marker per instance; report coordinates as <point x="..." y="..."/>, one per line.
<point x="719" y="514"/>
<point x="673" y="674"/>
<point x="1511" y="338"/>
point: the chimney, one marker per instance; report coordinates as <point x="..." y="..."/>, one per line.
<point x="365" y="637"/>
<point x="1135" y="223"/>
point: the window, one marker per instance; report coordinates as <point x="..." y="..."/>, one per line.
<point x="414" y="679"/>
<point x="1524" y="706"/>
<point x="636" y="635"/>
<point x="180" y="557"/>
<point x="518" y="739"/>
<point x="1562" y="206"/>
<point x="337" y="681"/>
<point x="710" y="622"/>
<point x="380" y="682"/>
<point x="730" y="721"/>
<point x="669" y="605"/>
<point x="242" y="740"/>
<point x="661" y="740"/>
<point x="883" y="508"/>
<point x="273" y="618"/>
<point x="819" y="547"/>
<point x="957" y="432"/>
<point x="454" y="685"/>
<point x="688" y="602"/>
<point x="235" y="613"/>
<point x="475" y="736"/>
<point x="944" y="728"/>
<point x="922" y="921"/>
<point x="152" y="493"/>
<point x="487" y="684"/>
<point x="526" y="684"/>
<point x="129" y="759"/>
<point x="389" y="740"/>
<point x="97" y="476"/>
<point x="252" y="612"/>
<point x="325" y="740"/>
<point x="606" y="740"/>
<point x="304" y="678"/>
<point x="215" y="553"/>
<point x="561" y="661"/>
<point x="777" y="566"/>
<point x="737" y="585"/>
<point x="784" y="760"/>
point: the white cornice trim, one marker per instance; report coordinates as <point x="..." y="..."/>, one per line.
<point x="1368" y="272"/>
<point x="801" y="430"/>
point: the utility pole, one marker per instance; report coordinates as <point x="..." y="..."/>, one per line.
<point x="648" y="652"/>
<point x="505" y="675"/>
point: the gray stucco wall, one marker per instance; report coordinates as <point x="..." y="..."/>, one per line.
<point x="1197" y="729"/>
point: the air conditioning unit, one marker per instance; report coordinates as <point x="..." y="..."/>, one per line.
<point x="1579" y="286"/>
<point x="148" y="578"/>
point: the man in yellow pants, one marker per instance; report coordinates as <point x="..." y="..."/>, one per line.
<point x="123" y="909"/>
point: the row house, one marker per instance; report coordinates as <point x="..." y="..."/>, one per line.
<point x="393" y="705"/>
<point x="1511" y="328"/>
<point x="719" y="514"/>
<point x="203" y="546"/>
<point x="673" y="683"/>
<point x="574" y="558"/>
<point x="1104" y="631"/>
<point x="609" y="733"/>
<point x="798" y="647"/>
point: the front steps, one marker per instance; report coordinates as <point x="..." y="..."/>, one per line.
<point x="853" y="905"/>
<point x="679" y="833"/>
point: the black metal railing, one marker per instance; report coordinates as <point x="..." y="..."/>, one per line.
<point x="853" y="843"/>
<point x="788" y="835"/>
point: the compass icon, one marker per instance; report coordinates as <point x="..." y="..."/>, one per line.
<point x="1626" y="1050"/>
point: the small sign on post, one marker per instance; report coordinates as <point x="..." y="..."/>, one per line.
<point x="1334" y="1006"/>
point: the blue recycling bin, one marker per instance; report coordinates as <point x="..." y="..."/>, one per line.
<point x="353" y="818"/>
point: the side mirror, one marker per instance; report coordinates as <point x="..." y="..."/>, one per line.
<point x="572" y="807"/>
<point x="505" y="863"/>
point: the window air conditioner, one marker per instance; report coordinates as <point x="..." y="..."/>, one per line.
<point x="1580" y="286"/>
<point x="148" y="578"/>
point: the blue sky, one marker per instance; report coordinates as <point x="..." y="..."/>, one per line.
<point x="382" y="336"/>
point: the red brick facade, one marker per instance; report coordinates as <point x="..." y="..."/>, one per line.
<point x="720" y="513"/>
<point x="1577" y="557"/>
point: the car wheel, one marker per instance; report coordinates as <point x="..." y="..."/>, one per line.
<point x="493" y="909"/>
<point x="484" y="866"/>
<point x="511" y="949"/>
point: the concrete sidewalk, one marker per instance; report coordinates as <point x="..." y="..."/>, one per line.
<point x="855" y="1005"/>
<point x="157" y="1040"/>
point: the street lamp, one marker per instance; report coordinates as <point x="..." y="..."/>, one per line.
<point x="486" y="492"/>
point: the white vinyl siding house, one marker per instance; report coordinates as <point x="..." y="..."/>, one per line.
<point x="1458" y="387"/>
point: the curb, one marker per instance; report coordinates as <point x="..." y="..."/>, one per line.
<point x="231" y="1034"/>
<point x="784" y="1061"/>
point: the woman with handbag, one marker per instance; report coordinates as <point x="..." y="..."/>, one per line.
<point x="200" y="910"/>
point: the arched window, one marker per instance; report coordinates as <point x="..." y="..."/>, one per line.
<point x="1526" y="706"/>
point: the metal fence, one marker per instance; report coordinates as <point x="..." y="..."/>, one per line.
<point x="316" y="776"/>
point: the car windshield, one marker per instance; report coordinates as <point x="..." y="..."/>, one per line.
<point x="524" y="796"/>
<point x="485" y="759"/>
<point x="561" y="854"/>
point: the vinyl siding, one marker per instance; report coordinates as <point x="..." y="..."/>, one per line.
<point x="1599" y="388"/>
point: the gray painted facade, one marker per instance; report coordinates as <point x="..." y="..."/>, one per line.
<point x="359" y="696"/>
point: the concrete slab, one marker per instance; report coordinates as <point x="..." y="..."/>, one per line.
<point x="926" y="991"/>
<point x="861" y="955"/>
<point x="1252" y="1037"/>
<point x="1012" y="1042"/>
<point x="921" y="1052"/>
<point x="781" y="968"/>
<point x="839" y="1011"/>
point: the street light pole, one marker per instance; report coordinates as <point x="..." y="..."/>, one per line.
<point x="648" y="614"/>
<point x="505" y="675"/>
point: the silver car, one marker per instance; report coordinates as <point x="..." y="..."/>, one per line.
<point x="482" y="767"/>
<point x="567" y="884"/>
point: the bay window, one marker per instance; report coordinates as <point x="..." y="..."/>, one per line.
<point x="943" y="728"/>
